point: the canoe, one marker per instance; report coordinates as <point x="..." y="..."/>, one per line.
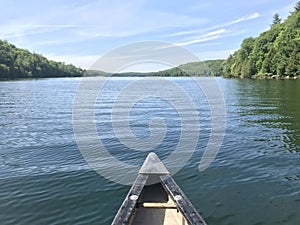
<point x="155" y="199"/>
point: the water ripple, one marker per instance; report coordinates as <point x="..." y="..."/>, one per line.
<point x="254" y="179"/>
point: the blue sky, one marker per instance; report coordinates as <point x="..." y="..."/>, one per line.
<point x="79" y="32"/>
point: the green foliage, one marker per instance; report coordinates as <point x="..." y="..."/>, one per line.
<point x="216" y="66"/>
<point x="205" y="68"/>
<point x="276" y="19"/>
<point x="94" y="73"/>
<point x="19" y="63"/>
<point x="274" y="52"/>
<point x="297" y="7"/>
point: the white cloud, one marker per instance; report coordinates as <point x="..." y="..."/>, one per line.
<point x="17" y="29"/>
<point x="236" y="21"/>
<point x="96" y="19"/>
<point x="203" y="38"/>
<point x="130" y="19"/>
<point x="243" y="19"/>
<point x="73" y="28"/>
<point x="199" y="40"/>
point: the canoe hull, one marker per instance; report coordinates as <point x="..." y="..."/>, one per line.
<point x="156" y="199"/>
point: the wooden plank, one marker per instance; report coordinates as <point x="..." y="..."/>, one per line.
<point x="158" y="205"/>
<point x="127" y="208"/>
<point x="184" y="205"/>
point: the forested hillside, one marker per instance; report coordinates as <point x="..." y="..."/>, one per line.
<point x="19" y="63"/>
<point x="201" y="68"/>
<point x="274" y="53"/>
<point x="205" y="68"/>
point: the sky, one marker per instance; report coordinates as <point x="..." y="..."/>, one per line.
<point x="80" y="32"/>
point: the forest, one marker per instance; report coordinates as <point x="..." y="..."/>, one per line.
<point x="16" y="63"/>
<point x="204" y="68"/>
<point x="273" y="54"/>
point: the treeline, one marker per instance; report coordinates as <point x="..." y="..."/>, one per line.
<point x="205" y="68"/>
<point x="274" y="53"/>
<point x="19" y="63"/>
<point x="16" y="63"/>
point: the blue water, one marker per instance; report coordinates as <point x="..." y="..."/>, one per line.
<point x="44" y="179"/>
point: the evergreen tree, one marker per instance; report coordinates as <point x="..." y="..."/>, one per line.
<point x="297" y="7"/>
<point x="276" y="19"/>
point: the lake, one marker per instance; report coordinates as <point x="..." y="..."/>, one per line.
<point x="254" y="179"/>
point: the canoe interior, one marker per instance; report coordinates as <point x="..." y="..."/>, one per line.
<point x="156" y="199"/>
<point x="155" y="206"/>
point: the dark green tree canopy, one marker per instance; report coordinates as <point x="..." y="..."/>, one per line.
<point x="297" y="7"/>
<point x="276" y="19"/>
<point x="19" y="63"/>
<point x="274" y="52"/>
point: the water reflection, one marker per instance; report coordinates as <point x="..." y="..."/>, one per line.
<point x="272" y="108"/>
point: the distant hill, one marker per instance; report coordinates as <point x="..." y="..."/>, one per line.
<point x="19" y="63"/>
<point x="216" y="66"/>
<point x="273" y="54"/>
<point x="205" y="68"/>
<point x="95" y="73"/>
